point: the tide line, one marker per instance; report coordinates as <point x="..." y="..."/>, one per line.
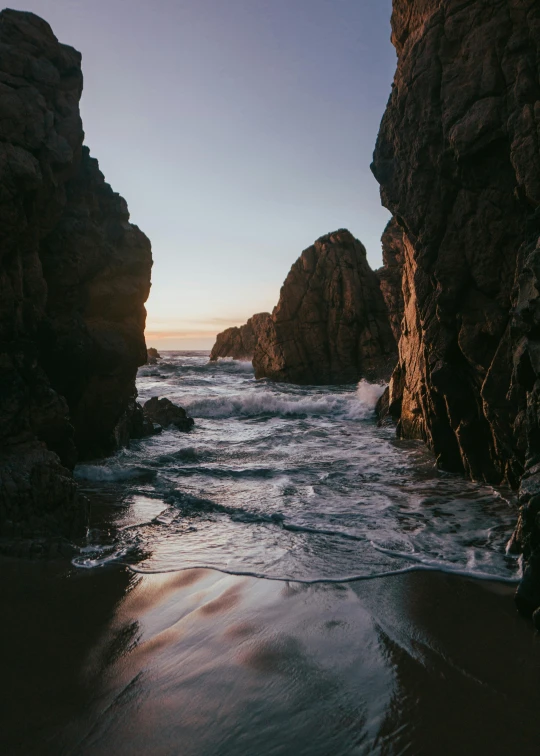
<point x="326" y="580"/>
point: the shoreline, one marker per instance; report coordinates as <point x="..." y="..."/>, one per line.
<point x="197" y="662"/>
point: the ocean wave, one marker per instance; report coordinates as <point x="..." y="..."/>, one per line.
<point x="240" y="365"/>
<point x="348" y="406"/>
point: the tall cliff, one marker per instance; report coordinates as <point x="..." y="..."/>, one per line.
<point x="458" y="161"/>
<point x="331" y="323"/>
<point x="74" y="276"/>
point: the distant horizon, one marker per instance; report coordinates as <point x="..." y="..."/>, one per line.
<point x="187" y="349"/>
<point x="239" y="133"/>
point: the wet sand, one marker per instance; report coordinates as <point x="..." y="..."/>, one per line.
<point x="101" y="663"/>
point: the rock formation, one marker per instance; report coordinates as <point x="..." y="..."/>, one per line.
<point x="165" y="413"/>
<point x="240" y="343"/>
<point x="390" y="275"/>
<point x="331" y="324"/>
<point x="152" y="356"/>
<point x="74" y="276"/>
<point x="459" y="166"/>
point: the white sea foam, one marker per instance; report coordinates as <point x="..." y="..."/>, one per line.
<point x="246" y="365"/>
<point x="370" y="393"/>
<point x="423" y="567"/>
<point x="349" y="406"/>
<point x="301" y="498"/>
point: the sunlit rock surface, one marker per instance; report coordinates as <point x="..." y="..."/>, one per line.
<point x="459" y="166"/>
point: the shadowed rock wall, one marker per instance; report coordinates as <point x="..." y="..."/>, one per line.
<point x="74" y="276"/>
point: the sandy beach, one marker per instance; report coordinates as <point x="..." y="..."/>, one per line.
<point x="200" y="663"/>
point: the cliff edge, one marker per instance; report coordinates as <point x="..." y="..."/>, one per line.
<point x="74" y="276"/>
<point x="458" y="162"/>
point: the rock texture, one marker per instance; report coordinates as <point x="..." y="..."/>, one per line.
<point x="152" y="356"/>
<point x="331" y="324"/>
<point x="74" y="276"/>
<point x="166" y="413"/>
<point x="240" y="343"/>
<point x="391" y="274"/>
<point x="458" y="161"/>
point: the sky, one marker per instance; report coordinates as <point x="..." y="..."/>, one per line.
<point x="239" y="131"/>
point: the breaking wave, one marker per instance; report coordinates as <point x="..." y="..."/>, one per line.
<point x="348" y="406"/>
<point x="289" y="483"/>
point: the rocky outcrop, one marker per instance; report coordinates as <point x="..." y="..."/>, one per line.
<point x="74" y="276"/>
<point x="331" y="324"/>
<point x="152" y="356"/>
<point x="165" y="413"/>
<point x="240" y="343"/>
<point x="459" y="166"/>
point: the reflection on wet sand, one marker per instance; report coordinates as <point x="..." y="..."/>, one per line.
<point x="198" y="663"/>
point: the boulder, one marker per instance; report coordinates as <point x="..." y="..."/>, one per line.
<point x="165" y="413"/>
<point x="152" y="356"/>
<point x="331" y="323"/>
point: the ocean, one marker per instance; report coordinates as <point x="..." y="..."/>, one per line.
<point x="287" y="483"/>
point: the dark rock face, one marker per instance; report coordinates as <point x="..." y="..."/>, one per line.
<point x="152" y="356"/>
<point x="240" y="343"/>
<point x="74" y="276"/>
<point x="331" y="324"/>
<point x="391" y="274"/>
<point x="459" y="166"/>
<point x="165" y="413"/>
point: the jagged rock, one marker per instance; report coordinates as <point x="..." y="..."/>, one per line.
<point x="134" y="424"/>
<point x="240" y="343"/>
<point x="331" y="324"/>
<point x="153" y="356"/>
<point x="391" y="274"/>
<point x="74" y="276"/>
<point x="459" y="166"/>
<point x="37" y="494"/>
<point x="165" y="413"/>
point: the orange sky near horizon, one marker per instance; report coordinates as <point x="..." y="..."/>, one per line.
<point x="200" y="337"/>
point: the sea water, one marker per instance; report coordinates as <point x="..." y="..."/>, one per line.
<point x="287" y="483"/>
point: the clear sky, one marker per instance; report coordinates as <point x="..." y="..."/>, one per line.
<point x="239" y="131"/>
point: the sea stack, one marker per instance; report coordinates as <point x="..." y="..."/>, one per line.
<point x="240" y="343"/>
<point x="331" y="323"/>
<point x="458" y="161"/>
<point x="74" y="276"/>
